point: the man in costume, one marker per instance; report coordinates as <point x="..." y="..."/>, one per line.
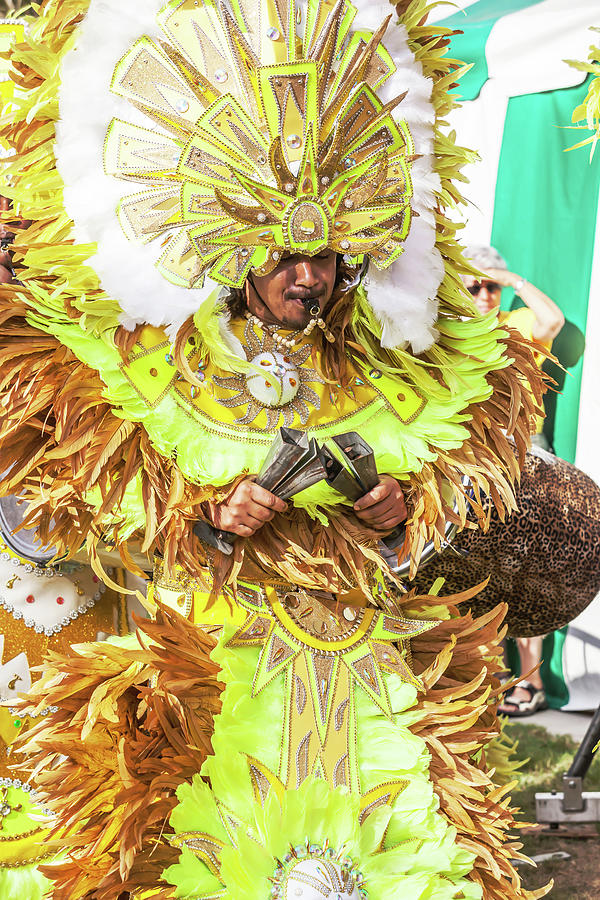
<point x="293" y="296"/>
<point x="294" y="722"/>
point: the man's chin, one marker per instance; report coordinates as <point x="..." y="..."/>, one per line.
<point x="485" y="308"/>
<point x="295" y="315"/>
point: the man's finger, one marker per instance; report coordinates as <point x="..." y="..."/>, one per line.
<point x="392" y="501"/>
<point x="372" y="519"/>
<point x="381" y="511"/>
<point x="389" y="524"/>
<point x="379" y="493"/>
<point x="261" y="513"/>
<point x="242" y="530"/>
<point x="265" y="498"/>
<point x="386" y="522"/>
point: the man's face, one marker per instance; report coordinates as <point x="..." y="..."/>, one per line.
<point x="297" y="288"/>
<point x="486" y="293"/>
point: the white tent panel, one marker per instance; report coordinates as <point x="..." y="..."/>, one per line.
<point x="581" y="660"/>
<point x="588" y="429"/>
<point x="480" y="124"/>
<point x="526" y="49"/>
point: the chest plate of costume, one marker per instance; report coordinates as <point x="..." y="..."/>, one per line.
<point x="277" y="385"/>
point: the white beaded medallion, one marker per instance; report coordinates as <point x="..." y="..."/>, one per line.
<point x="275" y="365"/>
<point x="290" y="397"/>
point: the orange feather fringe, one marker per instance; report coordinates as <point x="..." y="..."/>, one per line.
<point x="131" y="725"/>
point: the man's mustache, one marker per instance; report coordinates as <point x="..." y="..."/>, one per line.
<point x="304" y="296"/>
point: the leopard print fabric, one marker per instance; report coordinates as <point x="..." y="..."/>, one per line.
<point x="544" y="562"/>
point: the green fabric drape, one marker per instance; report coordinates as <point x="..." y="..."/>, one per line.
<point x="544" y="225"/>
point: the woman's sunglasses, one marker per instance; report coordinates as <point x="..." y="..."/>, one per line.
<point x="490" y="286"/>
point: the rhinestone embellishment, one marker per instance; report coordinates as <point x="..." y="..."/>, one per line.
<point x="313" y="872"/>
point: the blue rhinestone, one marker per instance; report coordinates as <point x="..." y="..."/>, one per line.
<point x="374" y="373"/>
<point x="170" y="359"/>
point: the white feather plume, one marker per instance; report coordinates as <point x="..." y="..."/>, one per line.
<point x="126" y="270"/>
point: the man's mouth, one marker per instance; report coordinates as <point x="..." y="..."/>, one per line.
<point x="305" y="300"/>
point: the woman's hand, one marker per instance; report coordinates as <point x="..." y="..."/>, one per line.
<point x="246" y="510"/>
<point x="382" y="508"/>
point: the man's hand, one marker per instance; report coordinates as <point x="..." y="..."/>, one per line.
<point x="246" y="510"/>
<point x="382" y="508"/>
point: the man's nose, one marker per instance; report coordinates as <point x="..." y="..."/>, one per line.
<point x="306" y="273"/>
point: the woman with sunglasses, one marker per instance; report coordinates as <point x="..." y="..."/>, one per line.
<point x="544" y="319"/>
<point x="539" y="320"/>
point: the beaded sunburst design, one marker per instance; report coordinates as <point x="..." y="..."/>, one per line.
<point x="264" y="136"/>
<point x="278" y="382"/>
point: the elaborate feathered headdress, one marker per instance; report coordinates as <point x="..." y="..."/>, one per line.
<point x="325" y="165"/>
<point x="255" y="128"/>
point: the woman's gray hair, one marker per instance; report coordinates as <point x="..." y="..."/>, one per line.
<point x="485" y="258"/>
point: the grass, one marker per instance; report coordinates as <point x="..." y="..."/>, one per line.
<point x="549" y="757"/>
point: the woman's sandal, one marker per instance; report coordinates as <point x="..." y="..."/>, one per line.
<point x="519" y="708"/>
